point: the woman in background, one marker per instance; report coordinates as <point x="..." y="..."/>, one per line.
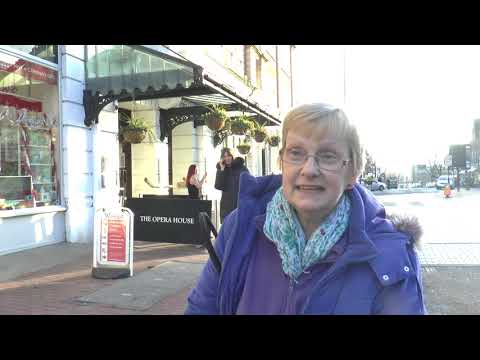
<point x="194" y="185"/>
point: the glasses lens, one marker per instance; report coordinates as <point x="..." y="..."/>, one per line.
<point x="295" y="156"/>
<point x="326" y="161"/>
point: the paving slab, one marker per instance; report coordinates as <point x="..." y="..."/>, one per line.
<point x="142" y="291"/>
<point x="452" y="290"/>
<point x="32" y="260"/>
<point x="449" y="254"/>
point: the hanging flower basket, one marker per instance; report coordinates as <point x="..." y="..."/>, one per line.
<point x="215" y="119"/>
<point x="243" y="148"/>
<point x="259" y="135"/>
<point x="134" y="136"/>
<point x="241" y="125"/>
<point x="135" y="130"/>
<point x="274" y="140"/>
<point x="214" y="122"/>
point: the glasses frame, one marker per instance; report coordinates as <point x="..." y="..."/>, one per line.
<point x="342" y="164"/>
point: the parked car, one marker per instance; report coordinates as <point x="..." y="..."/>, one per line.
<point x="377" y="185"/>
<point x="443" y="180"/>
<point x="392" y="184"/>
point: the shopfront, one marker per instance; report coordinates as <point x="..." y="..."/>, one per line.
<point x="172" y="94"/>
<point x="30" y="202"/>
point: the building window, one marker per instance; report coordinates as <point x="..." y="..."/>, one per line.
<point x="258" y="72"/>
<point x="28" y="134"/>
<point x="234" y="58"/>
<point x="46" y="52"/>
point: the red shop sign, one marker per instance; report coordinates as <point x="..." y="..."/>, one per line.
<point x="31" y="71"/>
<point x="12" y="100"/>
<point x="116" y="241"/>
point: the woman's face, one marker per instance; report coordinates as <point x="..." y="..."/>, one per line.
<point x="312" y="191"/>
<point x="227" y="159"/>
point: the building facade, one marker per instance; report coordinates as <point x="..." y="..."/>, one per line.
<point x="420" y="174"/>
<point x="61" y="156"/>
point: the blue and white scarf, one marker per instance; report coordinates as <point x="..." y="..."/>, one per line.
<point x="283" y="228"/>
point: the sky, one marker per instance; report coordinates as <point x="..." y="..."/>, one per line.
<point x="409" y="103"/>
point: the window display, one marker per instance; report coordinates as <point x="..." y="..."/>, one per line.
<point x="28" y="128"/>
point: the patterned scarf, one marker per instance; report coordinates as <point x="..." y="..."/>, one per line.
<point x="283" y="228"/>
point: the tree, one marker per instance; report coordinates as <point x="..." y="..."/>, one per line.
<point x="434" y="169"/>
<point x="370" y="167"/>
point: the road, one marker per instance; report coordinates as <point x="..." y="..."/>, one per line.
<point x="453" y="220"/>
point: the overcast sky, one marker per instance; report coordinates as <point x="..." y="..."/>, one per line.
<point x="409" y="102"/>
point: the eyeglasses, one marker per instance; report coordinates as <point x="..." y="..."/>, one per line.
<point x="324" y="160"/>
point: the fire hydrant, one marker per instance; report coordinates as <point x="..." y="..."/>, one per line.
<point x="447" y="192"/>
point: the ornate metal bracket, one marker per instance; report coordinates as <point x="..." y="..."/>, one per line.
<point x="93" y="104"/>
<point x="219" y="136"/>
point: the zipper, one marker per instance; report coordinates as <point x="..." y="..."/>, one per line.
<point x="288" y="300"/>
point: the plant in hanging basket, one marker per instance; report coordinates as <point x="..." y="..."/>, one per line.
<point x="216" y="118"/>
<point x="134" y="136"/>
<point x="273" y="140"/>
<point x="259" y="132"/>
<point x="243" y="148"/>
<point x="241" y="125"/>
<point x="134" y="130"/>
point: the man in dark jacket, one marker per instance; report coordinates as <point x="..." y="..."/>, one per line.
<point x="227" y="180"/>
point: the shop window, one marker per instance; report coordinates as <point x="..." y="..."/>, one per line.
<point x="46" y="52"/>
<point x="28" y="134"/>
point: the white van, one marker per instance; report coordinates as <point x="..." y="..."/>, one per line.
<point x="443" y="180"/>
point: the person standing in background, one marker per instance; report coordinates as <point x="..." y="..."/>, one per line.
<point x="227" y="180"/>
<point x="194" y="185"/>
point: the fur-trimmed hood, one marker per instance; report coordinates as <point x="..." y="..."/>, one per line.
<point x="408" y="224"/>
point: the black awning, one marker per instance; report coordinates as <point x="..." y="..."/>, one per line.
<point x="126" y="73"/>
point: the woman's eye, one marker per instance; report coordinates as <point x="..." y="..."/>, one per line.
<point x="296" y="153"/>
<point x="328" y="157"/>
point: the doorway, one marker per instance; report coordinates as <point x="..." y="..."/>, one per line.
<point x="125" y="159"/>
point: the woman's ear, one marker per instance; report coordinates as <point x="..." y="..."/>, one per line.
<point x="351" y="183"/>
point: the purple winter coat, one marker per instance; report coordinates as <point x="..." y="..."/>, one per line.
<point x="374" y="271"/>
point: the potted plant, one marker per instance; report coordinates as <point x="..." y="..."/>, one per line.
<point x="243" y="148"/>
<point x="259" y="132"/>
<point x="241" y="125"/>
<point x="136" y="129"/>
<point x="273" y="140"/>
<point x="215" y="119"/>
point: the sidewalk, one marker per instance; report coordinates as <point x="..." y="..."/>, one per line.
<point x="451" y="274"/>
<point x="165" y="273"/>
<point x="31" y="286"/>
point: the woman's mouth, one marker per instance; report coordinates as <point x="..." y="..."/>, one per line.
<point x="310" y="188"/>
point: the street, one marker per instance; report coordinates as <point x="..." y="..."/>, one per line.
<point x="452" y="220"/>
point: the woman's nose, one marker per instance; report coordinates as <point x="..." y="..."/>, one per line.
<point x="310" y="167"/>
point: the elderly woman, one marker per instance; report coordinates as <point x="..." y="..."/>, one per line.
<point x="312" y="240"/>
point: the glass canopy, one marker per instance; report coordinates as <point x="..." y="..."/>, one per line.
<point x="122" y="67"/>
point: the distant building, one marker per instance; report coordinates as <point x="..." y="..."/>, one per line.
<point x="476" y="143"/>
<point x="420" y="174"/>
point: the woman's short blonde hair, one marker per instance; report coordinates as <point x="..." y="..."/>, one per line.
<point x="335" y="120"/>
